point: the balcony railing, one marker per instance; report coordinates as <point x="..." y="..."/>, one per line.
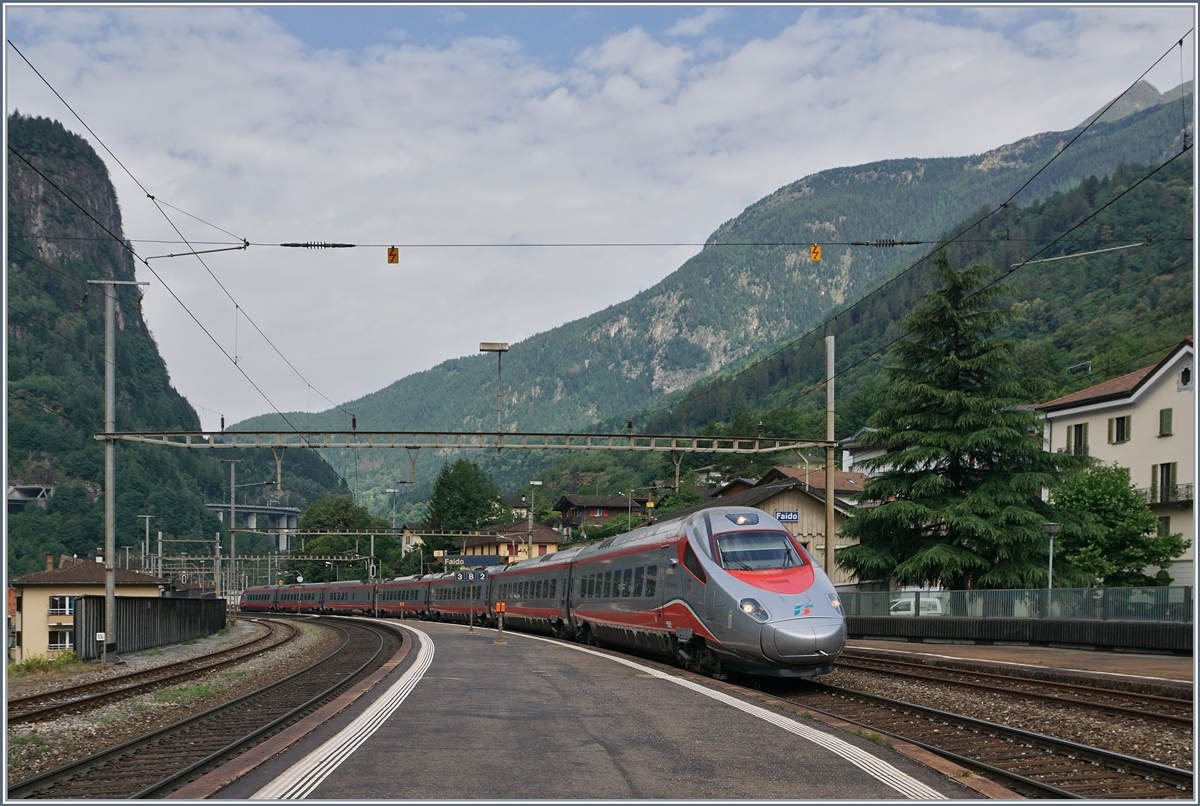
<point x="1167" y="495"/>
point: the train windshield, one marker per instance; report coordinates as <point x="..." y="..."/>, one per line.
<point x="757" y="550"/>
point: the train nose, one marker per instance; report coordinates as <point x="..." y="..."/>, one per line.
<point x="810" y="640"/>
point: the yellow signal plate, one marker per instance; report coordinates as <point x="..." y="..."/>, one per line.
<point x="393" y="255"/>
<point x="814" y="253"/>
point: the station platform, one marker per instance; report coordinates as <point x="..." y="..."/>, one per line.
<point x="1138" y="670"/>
<point x="461" y="717"/>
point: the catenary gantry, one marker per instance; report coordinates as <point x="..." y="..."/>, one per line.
<point x="340" y="440"/>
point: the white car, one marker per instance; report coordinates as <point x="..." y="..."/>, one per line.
<point x="904" y="607"/>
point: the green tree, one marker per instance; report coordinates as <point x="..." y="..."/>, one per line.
<point x="1109" y="532"/>
<point x="959" y="494"/>
<point x="341" y="514"/>
<point x="463" y="498"/>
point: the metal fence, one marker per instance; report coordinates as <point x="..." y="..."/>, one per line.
<point x="144" y="622"/>
<point x="1171" y="604"/>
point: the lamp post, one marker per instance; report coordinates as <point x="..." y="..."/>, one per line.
<point x="499" y="348"/>
<point x="393" y="491"/>
<point x="533" y="485"/>
<point x="1051" y="529"/>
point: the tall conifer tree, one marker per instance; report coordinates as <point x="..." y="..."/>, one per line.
<point x="959" y="498"/>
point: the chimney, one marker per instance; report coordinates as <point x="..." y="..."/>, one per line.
<point x="49" y="562"/>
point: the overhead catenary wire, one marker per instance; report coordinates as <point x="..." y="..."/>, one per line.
<point x="941" y="245"/>
<point x="158" y="203"/>
<point x="999" y="279"/>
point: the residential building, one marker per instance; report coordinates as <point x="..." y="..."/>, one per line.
<point x="514" y="541"/>
<point x="1143" y="421"/>
<point x="846" y="484"/>
<point x="43" y="614"/>
<point x="599" y="510"/>
<point x="518" y="505"/>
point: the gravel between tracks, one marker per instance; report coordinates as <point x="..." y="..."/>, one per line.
<point x="41" y="746"/>
<point x="1154" y="741"/>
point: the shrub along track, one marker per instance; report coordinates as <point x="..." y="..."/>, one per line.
<point x="155" y="764"/>
<point x="52" y="704"/>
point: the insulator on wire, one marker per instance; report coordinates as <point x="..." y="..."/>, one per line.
<point x="319" y="245"/>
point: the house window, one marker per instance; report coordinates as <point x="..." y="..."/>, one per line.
<point x="61" y="640"/>
<point x="1164" y="422"/>
<point x="1077" y="439"/>
<point x="1164" y="526"/>
<point x="62" y="605"/>
<point x="1162" y="483"/>
<point x="1185" y="379"/>
<point x="598" y="513"/>
<point x="1118" y="429"/>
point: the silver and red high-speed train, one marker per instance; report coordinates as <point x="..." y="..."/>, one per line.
<point x="722" y="589"/>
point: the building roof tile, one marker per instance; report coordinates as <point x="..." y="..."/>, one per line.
<point x="85" y="573"/>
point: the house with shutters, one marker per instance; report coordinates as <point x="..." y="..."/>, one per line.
<point x="1142" y="421"/>
<point x="599" y="510"/>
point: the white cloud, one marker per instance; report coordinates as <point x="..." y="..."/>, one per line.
<point x="694" y="26"/>
<point x="218" y="111"/>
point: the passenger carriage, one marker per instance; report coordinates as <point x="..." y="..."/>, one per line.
<point x="352" y="597"/>
<point x="259" y="599"/>
<point x="407" y="596"/>
<point x="461" y="602"/>
<point x="534" y="592"/>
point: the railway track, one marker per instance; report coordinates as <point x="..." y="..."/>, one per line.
<point x="1031" y="764"/>
<point x="159" y="762"/>
<point x="51" y="704"/>
<point x="1158" y="708"/>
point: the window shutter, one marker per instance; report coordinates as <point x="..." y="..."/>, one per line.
<point x="1112" y="422"/>
<point x="1128" y="427"/>
<point x="1164" y="423"/>
<point x="1171" y="474"/>
<point x="1084" y="440"/>
<point x="1070" y="439"/>
<point x="1154" y="483"/>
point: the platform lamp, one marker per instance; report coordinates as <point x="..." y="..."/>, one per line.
<point x="1051" y="529"/>
<point x="499" y="348"/>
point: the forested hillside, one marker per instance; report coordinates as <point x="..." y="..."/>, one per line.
<point x="752" y="287"/>
<point x="56" y="372"/>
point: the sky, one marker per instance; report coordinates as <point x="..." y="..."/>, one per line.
<point x="470" y="137"/>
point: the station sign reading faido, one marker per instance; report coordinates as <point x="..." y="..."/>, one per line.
<point x="471" y="561"/>
<point x="787" y="517"/>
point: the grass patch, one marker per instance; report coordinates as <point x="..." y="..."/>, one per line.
<point x="66" y="660"/>
<point x="222" y="631"/>
<point x="190" y="641"/>
<point x="186" y="693"/>
<point x="807" y="715"/>
<point x="871" y="736"/>
<point x="236" y="673"/>
<point x="32" y="739"/>
<point x="139" y="707"/>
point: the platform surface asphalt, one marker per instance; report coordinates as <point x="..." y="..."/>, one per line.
<point x="463" y="718"/>
<point x="1114" y="664"/>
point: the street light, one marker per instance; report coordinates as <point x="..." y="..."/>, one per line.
<point x="393" y="491"/>
<point x="1051" y="529"/>
<point x="499" y="348"/>
<point x="533" y="485"/>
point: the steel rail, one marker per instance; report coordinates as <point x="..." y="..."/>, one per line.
<point x="951" y="677"/>
<point x="1068" y="751"/>
<point x="85" y="769"/>
<point x="340" y="440"/>
<point x="76" y="698"/>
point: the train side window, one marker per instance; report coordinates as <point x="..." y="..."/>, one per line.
<point x="627" y="584"/>
<point x="692" y="563"/>
<point x="553" y="587"/>
<point x="587" y="586"/>
<point x="608" y="591"/>
<point x="651" y="579"/>
<point x="537" y="589"/>
<point x="638" y="574"/>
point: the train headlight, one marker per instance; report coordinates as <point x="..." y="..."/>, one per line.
<point x="836" y="601"/>
<point x="754" y="610"/>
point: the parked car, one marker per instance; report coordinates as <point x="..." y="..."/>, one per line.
<point x="904" y="607"/>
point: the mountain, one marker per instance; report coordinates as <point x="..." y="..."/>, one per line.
<point x="56" y="371"/>
<point x="739" y="296"/>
